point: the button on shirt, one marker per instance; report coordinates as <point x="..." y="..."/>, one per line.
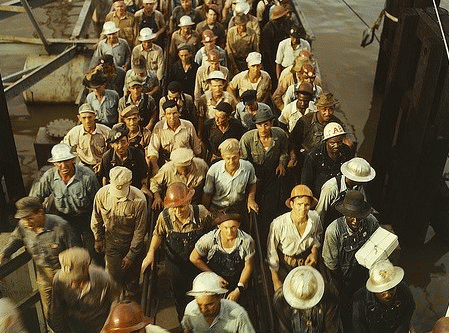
<point x="284" y="236"/>
<point x="164" y="137"/>
<point x="154" y="57"/>
<point x="74" y="198"/>
<point x="44" y="246"/>
<point x="290" y="115"/>
<point x="106" y="109"/>
<point x="210" y="243"/>
<point x="119" y="51"/>
<point x="227" y="190"/>
<point x="232" y="318"/>
<point x="89" y="147"/>
<point x="247" y="119"/>
<point x="268" y="159"/>
<point x="286" y="54"/>
<point x="121" y="222"/>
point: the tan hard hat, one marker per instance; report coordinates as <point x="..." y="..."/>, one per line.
<point x="301" y="191"/>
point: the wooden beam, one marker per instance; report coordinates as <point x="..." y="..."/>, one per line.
<point x="14" y="9"/>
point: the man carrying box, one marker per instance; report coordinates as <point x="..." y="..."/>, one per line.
<point x="343" y="238"/>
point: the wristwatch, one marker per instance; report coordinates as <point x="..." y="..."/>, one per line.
<point x="241" y="287"/>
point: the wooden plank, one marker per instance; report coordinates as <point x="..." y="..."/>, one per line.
<point x="14" y="9"/>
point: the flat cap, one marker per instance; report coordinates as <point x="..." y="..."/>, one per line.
<point x="27" y="206"/>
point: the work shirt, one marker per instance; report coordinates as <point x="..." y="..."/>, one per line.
<point x="85" y="311"/>
<point x="285" y="238"/>
<point x="194" y="40"/>
<point x="202" y="59"/>
<point x="212" y="136"/>
<point x="291" y="114"/>
<point x="168" y="174"/>
<point x="74" y="198"/>
<point x="242" y="83"/>
<point x="206" y="104"/>
<point x="154" y="57"/>
<point x="45" y="246"/>
<point x="239" y="46"/>
<point x="185" y="78"/>
<point x="201" y="84"/>
<point x="165" y="138"/>
<point x="290" y="94"/>
<point x="127" y="25"/>
<point x="140" y="139"/>
<point x="122" y="222"/>
<point x="190" y="224"/>
<point x="106" y="109"/>
<point x="155" y="21"/>
<point x="252" y="23"/>
<point x="150" y="82"/>
<point x="179" y="12"/>
<point x="134" y="162"/>
<point x="247" y="119"/>
<point x="286" y="55"/>
<point x="119" y="51"/>
<point x="265" y="160"/>
<point x="146" y="105"/>
<point x="227" y="190"/>
<point x="89" y="147"/>
<point x="232" y="318"/>
<point x="218" y="30"/>
<point x="210" y="243"/>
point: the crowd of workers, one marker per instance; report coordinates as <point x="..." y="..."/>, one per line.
<point x="203" y="114"/>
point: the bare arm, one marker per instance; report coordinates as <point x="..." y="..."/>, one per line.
<point x="156" y="242"/>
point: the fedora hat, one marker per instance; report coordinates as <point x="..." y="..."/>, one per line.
<point x="358" y="170"/>
<point x="383" y="276"/>
<point x="326" y="99"/>
<point x="207" y="283"/>
<point x="303" y="287"/>
<point x="278" y="12"/>
<point x="94" y="79"/>
<point x="301" y="191"/>
<point x="262" y="115"/>
<point x="354" y="205"/>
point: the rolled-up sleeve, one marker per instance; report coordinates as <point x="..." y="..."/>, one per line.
<point x="272" y="245"/>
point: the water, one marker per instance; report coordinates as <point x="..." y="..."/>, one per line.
<point x="347" y="70"/>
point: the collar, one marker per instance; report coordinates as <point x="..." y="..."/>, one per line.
<point x="223" y="169"/>
<point x="92" y="133"/>
<point x="166" y="127"/>
<point x="76" y="176"/>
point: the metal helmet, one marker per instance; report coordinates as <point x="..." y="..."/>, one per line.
<point x="331" y="130"/>
<point x="125" y="317"/>
<point x="358" y="170"/>
<point x="61" y="152"/>
<point x="384" y="276"/>
<point x="178" y="194"/>
<point x="207" y="283"/>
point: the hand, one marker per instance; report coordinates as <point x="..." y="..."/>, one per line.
<point x="157" y="202"/>
<point x="96" y="167"/>
<point x="99" y="246"/>
<point x="223" y="282"/>
<point x="126" y="262"/>
<point x="146" y="191"/>
<point x="252" y="205"/>
<point x="280" y="170"/>
<point x="311" y="260"/>
<point x="291" y="163"/>
<point x="234" y="295"/>
<point x="148" y="261"/>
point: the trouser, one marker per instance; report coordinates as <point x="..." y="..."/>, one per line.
<point x="127" y="279"/>
<point x="180" y="278"/>
<point x="44" y="281"/>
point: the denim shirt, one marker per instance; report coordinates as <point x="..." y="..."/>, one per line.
<point x="107" y="113"/>
<point x="76" y="197"/>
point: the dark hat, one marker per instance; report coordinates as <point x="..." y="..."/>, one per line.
<point x="117" y="132"/>
<point x="223" y="216"/>
<point x="169" y="103"/>
<point x="185" y="46"/>
<point x="240" y="19"/>
<point x="263" y="115"/>
<point x="305" y="88"/>
<point x="249" y="96"/>
<point x="215" y="8"/>
<point x="354" y="205"/>
<point x="174" y="86"/>
<point x="107" y="59"/>
<point x="224" y="107"/>
<point x="94" y="79"/>
<point x="296" y="31"/>
<point x="139" y="64"/>
<point x="27" y="206"/>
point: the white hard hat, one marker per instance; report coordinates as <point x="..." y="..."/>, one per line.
<point x="185" y="21"/>
<point x="383" y="276"/>
<point x="358" y="170"/>
<point x="303" y="287"/>
<point x="331" y="130"/>
<point x="146" y="34"/>
<point x="207" y="283"/>
<point x="61" y="152"/>
<point x="109" y="28"/>
<point x="241" y="8"/>
<point x="216" y="75"/>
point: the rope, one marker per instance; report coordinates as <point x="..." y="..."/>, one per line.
<point x="361" y="18"/>
<point x="441" y="28"/>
